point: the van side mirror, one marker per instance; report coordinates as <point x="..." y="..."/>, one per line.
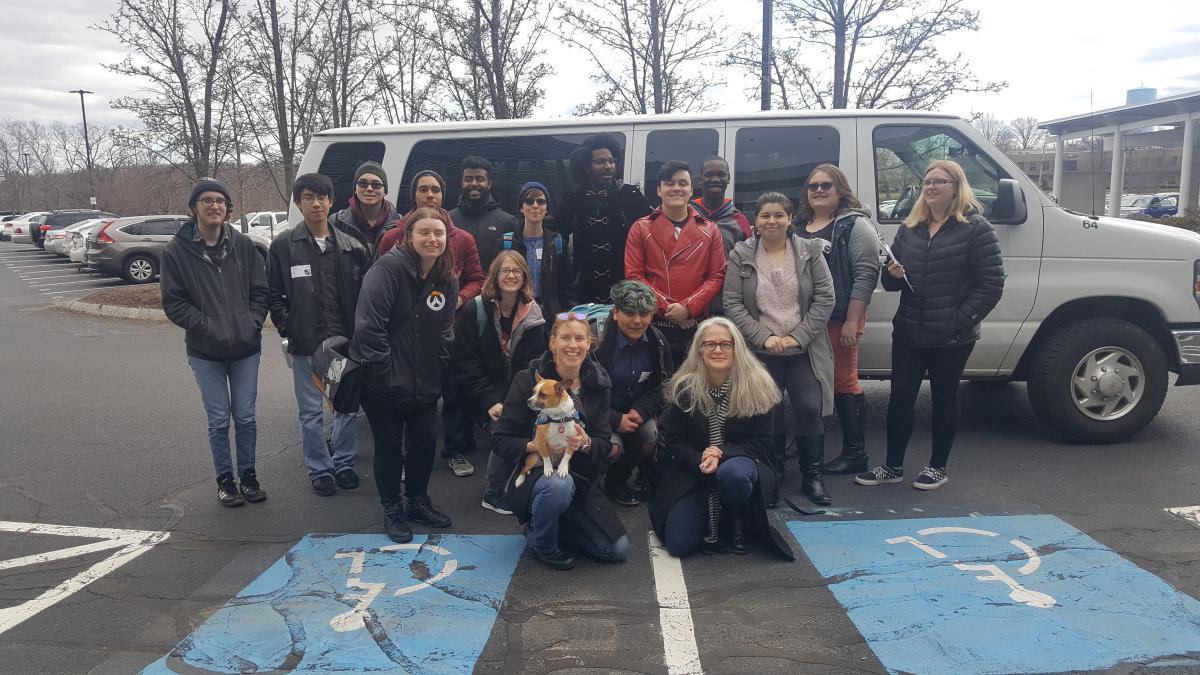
<point x="1009" y="207"/>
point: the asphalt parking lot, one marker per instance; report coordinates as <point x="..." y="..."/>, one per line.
<point x="52" y="276"/>
<point x="104" y="447"/>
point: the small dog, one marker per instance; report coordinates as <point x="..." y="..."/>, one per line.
<point x="555" y="424"/>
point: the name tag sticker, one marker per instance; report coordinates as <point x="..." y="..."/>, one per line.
<point x="644" y="376"/>
<point x="301" y="271"/>
<point x="537" y="252"/>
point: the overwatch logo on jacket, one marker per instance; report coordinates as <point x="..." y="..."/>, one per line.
<point x="436" y="301"/>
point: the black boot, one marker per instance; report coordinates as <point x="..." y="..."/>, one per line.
<point x="812" y="448"/>
<point x="394" y="524"/>
<point x="852" y="412"/>
<point x="419" y="509"/>
<point x="740" y="542"/>
<point x="778" y="456"/>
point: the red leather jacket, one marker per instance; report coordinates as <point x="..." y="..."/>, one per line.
<point x="689" y="270"/>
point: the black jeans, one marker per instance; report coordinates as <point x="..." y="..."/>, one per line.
<point x="793" y="374"/>
<point x="390" y="421"/>
<point x="945" y="367"/>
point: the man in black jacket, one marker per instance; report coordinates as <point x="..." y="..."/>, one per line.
<point x="598" y="216"/>
<point x="638" y="360"/>
<point x="370" y="215"/>
<point x="478" y="212"/>
<point x="214" y="286"/>
<point x="315" y="273"/>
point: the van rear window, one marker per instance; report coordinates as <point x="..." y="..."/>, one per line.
<point x="340" y="162"/>
<point x="515" y="160"/>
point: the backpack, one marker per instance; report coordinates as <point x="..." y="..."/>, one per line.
<point x="597" y="316"/>
<point x="508" y="243"/>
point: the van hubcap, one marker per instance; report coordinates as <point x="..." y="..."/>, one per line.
<point x="1107" y="383"/>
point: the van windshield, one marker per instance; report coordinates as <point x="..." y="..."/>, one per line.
<point x="902" y="154"/>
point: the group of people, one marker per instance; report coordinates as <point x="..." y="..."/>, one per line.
<point x="677" y="331"/>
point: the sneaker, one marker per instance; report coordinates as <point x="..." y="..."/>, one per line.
<point x="930" y="478"/>
<point x="420" y="509"/>
<point x="461" y="466"/>
<point x="250" y="488"/>
<point x="620" y="493"/>
<point x="346" y="478"/>
<point x="227" y="491"/>
<point x="394" y="524"/>
<point x="555" y="559"/>
<point x="495" y="503"/>
<point x="323" y="485"/>
<point x="880" y="475"/>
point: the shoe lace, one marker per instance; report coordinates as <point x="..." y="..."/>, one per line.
<point x="934" y="473"/>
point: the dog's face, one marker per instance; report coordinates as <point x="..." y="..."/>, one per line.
<point x="549" y="394"/>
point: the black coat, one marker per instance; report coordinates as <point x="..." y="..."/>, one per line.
<point x="957" y="278"/>
<point x="650" y="403"/>
<point x="344" y="221"/>
<point x="403" y="328"/>
<point x="515" y="429"/>
<point x="220" y="304"/>
<point x="481" y="368"/>
<point x="597" y="223"/>
<point x="686" y="437"/>
<point x="294" y="300"/>
<point x="487" y="223"/>
<point x="556" y="272"/>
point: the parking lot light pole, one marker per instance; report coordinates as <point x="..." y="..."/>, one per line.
<point x="87" y="143"/>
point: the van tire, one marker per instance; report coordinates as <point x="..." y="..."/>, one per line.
<point x="1083" y="348"/>
<point x="139" y="269"/>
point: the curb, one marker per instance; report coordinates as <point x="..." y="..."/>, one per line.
<point x="115" y="311"/>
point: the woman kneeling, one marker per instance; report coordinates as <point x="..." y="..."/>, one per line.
<point x="718" y="431"/>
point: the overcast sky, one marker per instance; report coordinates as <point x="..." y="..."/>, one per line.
<point x="1060" y="58"/>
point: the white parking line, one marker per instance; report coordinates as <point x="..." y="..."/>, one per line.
<point x="29" y="267"/>
<point x="680" y="652"/>
<point x="53" y="275"/>
<point x="1189" y="514"/>
<point x="64" y="283"/>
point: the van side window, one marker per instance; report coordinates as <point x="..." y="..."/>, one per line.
<point x="340" y="162"/>
<point x="779" y="159"/>
<point x="516" y="160"/>
<point x="903" y="152"/>
<point x="690" y="145"/>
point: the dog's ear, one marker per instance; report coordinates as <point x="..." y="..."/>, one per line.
<point x="563" y="386"/>
<point x="537" y="377"/>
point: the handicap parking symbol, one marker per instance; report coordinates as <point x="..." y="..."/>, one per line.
<point x="997" y="594"/>
<point x="360" y="603"/>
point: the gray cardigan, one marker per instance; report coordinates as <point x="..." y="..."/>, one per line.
<point x="816" y="299"/>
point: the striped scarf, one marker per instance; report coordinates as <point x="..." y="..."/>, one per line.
<point x="716" y="436"/>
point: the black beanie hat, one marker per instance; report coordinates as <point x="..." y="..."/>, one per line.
<point x="412" y="191"/>
<point x="372" y="167"/>
<point x="207" y="184"/>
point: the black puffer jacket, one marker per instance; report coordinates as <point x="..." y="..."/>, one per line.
<point x="597" y="222"/>
<point x="957" y="278"/>
<point x="403" y="329"/>
<point x="221" y="303"/>
<point x="486" y="222"/>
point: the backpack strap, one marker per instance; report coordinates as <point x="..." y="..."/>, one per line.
<point x="479" y="318"/>
<point x="508" y="241"/>
<point x="558" y="245"/>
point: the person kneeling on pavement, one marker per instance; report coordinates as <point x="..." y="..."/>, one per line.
<point x="638" y="360"/>
<point x="571" y="510"/>
<point x="718" y="433"/>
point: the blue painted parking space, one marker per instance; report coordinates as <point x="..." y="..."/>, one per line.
<point x="997" y="594"/>
<point x="359" y="603"/>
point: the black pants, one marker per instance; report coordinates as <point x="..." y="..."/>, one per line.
<point x="390" y="421"/>
<point x="793" y="374"/>
<point x="678" y="339"/>
<point x="909" y="365"/>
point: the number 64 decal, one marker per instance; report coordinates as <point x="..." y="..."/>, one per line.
<point x="1017" y="592"/>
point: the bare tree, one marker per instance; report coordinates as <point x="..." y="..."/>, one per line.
<point x="649" y="54"/>
<point x="998" y="132"/>
<point x="406" y="83"/>
<point x="1027" y="135"/>
<point x="871" y="54"/>
<point x="178" y="47"/>
<point x="346" y="62"/>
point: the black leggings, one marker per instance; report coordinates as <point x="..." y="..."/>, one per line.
<point x="390" y="421"/>
<point x="945" y="367"/>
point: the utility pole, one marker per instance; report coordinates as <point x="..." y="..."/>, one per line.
<point x="87" y="144"/>
<point x="766" y="56"/>
<point x="28" y="189"/>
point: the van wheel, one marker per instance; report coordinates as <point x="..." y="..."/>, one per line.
<point x="1098" y="381"/>
<point x="139" y="269"/>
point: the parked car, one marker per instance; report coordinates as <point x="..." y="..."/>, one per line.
<point x="270" y="222"/>
<point x="22" y="228"/>
<point x="56" y="240"/>
<point x="1158" y="206"/>
<point x="132" y="247"/>
<point x="77" y="241"/>
<point x="57" y="220"/>
<point x="262" y="238"/>
<point x="6" y="227"/>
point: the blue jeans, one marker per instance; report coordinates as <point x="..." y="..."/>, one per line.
<point x="551" y="509"/>
<point x="229" y="388"/>
<point x="688" y="517"/>
<point x="312" y="425"/>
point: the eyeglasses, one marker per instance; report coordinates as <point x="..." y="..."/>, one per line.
<point x="564" y="316"/>
<point x="214" y="201"/>
<point x="825" y="186"/>
<point x="369" y="185"/>
<point x="510" y="271"/>
<point x="937" y="182"/>
<point x="310" y="199"/>
<point x="717" y="345"/>
<point x="534" y="200"/>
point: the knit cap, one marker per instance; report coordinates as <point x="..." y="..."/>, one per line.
<point x="207" y="184"/>
<point x="372" y="167"/>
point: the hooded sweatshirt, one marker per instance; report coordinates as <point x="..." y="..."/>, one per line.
<point x="730" y="222"/>
<point x="466" y="256"/>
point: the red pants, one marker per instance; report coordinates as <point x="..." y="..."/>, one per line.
<point x="845" y="359"/>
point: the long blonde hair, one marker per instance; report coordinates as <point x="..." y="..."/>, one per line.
<point x="964" y="199"/>
<point x="752" y="391"/>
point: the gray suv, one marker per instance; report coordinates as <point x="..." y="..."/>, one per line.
<point x="132" y="247"/>
<point x="56" y="220"/>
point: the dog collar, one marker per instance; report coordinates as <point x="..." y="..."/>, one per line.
<point x="543" y="418"/>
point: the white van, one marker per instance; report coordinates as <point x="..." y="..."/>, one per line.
<point x="1095" y="312"/>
